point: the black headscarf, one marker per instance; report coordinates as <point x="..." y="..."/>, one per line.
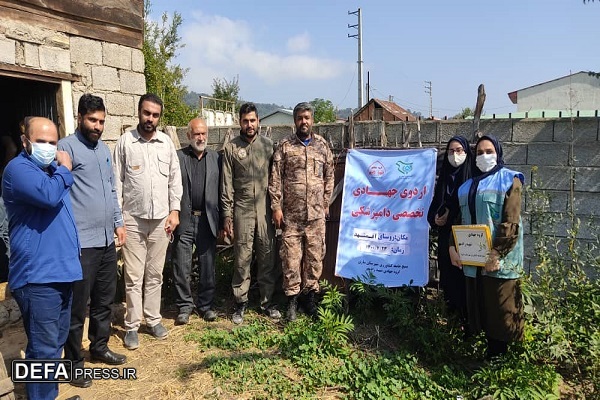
<point x="448" y="183"/>
<point x="478" y="175"/>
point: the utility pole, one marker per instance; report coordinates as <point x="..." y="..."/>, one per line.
<point x="428" y="91"/>
<point x="358" y="35"/>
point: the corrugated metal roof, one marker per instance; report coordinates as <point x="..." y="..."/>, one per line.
<point x="392" y="108"/>
<point x="282" y="111"/>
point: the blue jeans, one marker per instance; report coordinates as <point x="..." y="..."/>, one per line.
<point x="46" y="311"/>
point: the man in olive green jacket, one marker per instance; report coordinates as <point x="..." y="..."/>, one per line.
<point x="246" y="212"/>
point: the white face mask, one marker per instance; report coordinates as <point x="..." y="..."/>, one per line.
<point x="485" y="162"/>
<point x="42" y="153"/>
<point x="456" y="160"/>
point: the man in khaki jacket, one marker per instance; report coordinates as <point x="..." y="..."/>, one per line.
<point x="301" y="185"/>
<point x="149" y="190"/>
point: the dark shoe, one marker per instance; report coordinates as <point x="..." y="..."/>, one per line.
<point x="158" y="331"/>
<point x="109" y="357"/>
<point x="76" y="397"/>
<point x="272" y="312"/>
<point x="131" y="341"/>
<point x="238" y="315"/>
<point x="81" y="382"/>
<point x="209" y="315"/>
<point x="292" y="307"/>
<point x="311" y="304"/>
<point x="182" y="319"/>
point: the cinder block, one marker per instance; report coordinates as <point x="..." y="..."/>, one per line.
<point x="213" y="138"/>
<point x="279" y="132"/>
<point x="547" y="154"/>
<point x="586" y="203"/>
<point x="586" y="155"/>
<point x="429" y="132"/>
<point x="105" y="78"/>
<point x="585" y="227"/>
<point x="553" y="178"/>
<point x="8" y="51"/>
<point x="86" y="51"/>
<point x="137" y="60"/>
<point x="115" y="55"/>
<point x="332" y="133"/>
<point x="581" y="130"/>
<point x="112" y="128"/>
<point x="587" y="179"/>
<point x="515" y="153"/>
<point x="500" y="128"/>
<point x="539" y="201"/>
<point x="55" y="59"/>
<point x="132" y="82"/>
<point x="32" y="55"/>
<point x="119" y="104"/>
<point x="527" y="130"/>
<point x="448" y="129"/>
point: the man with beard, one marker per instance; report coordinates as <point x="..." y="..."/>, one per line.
<point x="149" y="190"/>
<point x="246" y="212"/>
<point x="300" y="187"/>
<point x="98" y="218"/>
<point x="198" y="226"/>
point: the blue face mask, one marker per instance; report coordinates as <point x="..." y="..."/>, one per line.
<point x="42" y="153"/>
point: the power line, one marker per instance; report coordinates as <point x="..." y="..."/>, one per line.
<point x="347" y="91"/>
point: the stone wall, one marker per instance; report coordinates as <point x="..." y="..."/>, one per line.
<point x="111" y="71"/>
<point x="539" y="148"/>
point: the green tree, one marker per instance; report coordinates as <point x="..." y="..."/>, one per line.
<point x="324" y="110"/>
<point x="228" y="91"/>
<point x="464" y="113"/>
<point x="163" y="76"/>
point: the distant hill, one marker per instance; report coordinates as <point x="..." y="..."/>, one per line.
<point x="264" y="109"/>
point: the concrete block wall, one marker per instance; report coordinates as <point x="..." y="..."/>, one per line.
<point x="539" y="148"/>
<point x="111" y="71"/>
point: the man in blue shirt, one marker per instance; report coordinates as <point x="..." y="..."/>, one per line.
<point x="44" y="259"/>
<point x="98" y="218"/>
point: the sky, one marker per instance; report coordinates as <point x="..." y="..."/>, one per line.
<point x="285" y="52"/>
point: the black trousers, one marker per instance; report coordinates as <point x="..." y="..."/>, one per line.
<point x="452" y="279"/>
<point x="99" y="283"/>
<point x="198" y="233"/>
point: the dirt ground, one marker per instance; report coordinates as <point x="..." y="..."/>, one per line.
<point x="158" y="363"/>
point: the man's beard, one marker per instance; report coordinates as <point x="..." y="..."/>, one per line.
<point x="302" y="134"/>
<point x="148" y="127"/>
<point x="198" y="147"/>
<point x="246" y="135"/>
<point x="88" y="134"/>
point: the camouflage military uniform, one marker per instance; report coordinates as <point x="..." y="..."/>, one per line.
<point x="245" y="198"/>
<point x="301" y="185"/>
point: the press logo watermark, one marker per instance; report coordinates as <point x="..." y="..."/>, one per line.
<point x="62" y="371"/>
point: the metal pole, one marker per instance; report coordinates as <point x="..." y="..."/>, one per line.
<point x="361" y="98"/>
<point x="358" y="35"/>
<point x="428" y="90"/>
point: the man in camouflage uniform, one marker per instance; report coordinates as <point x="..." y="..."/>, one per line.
<point x="300" y="187"/>
<point x="246" y="212"/>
